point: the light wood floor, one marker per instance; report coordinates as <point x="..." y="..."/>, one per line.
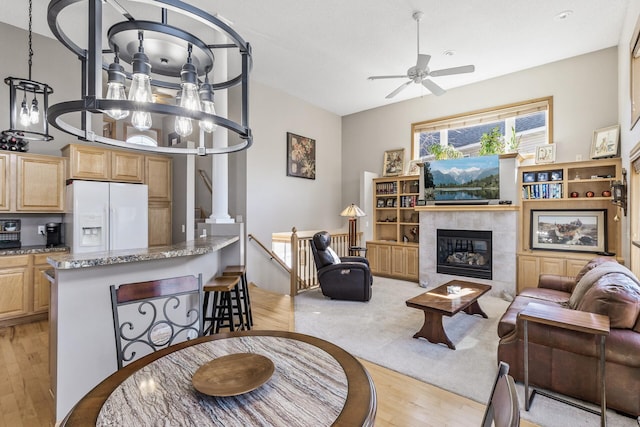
<point x="402" y="401"/>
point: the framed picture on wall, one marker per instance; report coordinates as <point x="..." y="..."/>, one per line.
<point x="301" y="156"/>
<point x="580" y="230"/>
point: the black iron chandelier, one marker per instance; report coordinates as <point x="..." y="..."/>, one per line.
<point x="28" y="115"/>
<point x="155" y="54"/>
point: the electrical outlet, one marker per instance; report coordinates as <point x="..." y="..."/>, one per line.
<point x="41" y="230"/>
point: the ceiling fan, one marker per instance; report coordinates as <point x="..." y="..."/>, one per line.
<point x="420" y="72"/>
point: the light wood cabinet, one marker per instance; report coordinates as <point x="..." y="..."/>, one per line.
<point x="158" y="177"/>
<point x="24" y="290"/>
<point x="530" y="267"/>
<point x="127" y="167"/>
<point x="101" y="164"/>
<point x="5" y="181"/>
<point x="159" y="224"/>
<point x="40" y="183"/>
<point x="158" y="170"/>
<point x="14" y="286"/>
<point x="87" y="162"/>
<point x="398" y="261"/>
<point x="396" y="227"/>
<point x="41" y="285"/>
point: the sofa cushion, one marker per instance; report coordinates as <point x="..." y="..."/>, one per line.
<point x="616" y="296"/>
<point x="508" y="320"/>
<point x="551" y="295"/>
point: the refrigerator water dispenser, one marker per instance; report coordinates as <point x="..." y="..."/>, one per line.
<point x="91" y="236"/>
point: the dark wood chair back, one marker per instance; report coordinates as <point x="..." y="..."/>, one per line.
<point x="503" y="409"/>
<point x="148" y="316"/>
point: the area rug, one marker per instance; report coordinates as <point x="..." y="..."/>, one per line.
<point x="381" y="331"/>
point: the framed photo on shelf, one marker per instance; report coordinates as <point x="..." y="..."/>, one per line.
<point x="380" y="203"/>
<point x="606" y="142"/>
<point x="528" y="177"/>
<point x="389" y="203"/>
<point x="413" y="167"/>
<point x="556" y="175"/>
<point x="545" y="153"/>
<point x="301" y="156"/>
<point x="542" y="176"/>
<point x="580" y="230"/>
<point x="393" y="162"/>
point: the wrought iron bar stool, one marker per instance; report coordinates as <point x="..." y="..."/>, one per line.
<point x="226" y="303"/>
<point x="241" y="271"/>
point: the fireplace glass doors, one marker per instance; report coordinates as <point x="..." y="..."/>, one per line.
<point x="464" y="253"/>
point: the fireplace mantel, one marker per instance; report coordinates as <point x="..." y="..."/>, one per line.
<point x="466" y="208"/>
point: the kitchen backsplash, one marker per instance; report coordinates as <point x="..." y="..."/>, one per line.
<point x="29" y="226"/>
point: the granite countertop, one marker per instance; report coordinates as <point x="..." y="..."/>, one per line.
<point x="200" y="246"/>
<point x="26" y="250"/>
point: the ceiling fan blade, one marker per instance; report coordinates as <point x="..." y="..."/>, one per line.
<point x="399" y="89"/>
<point x="454" y="70"/>
<point x="423" y="61"/>
<point x="433" y="88"/>
<point x="387" y="77"/>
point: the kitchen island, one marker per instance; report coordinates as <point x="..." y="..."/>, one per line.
<point x="82" y="344"/>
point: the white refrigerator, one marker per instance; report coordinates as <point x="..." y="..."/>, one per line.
<point x="103" y="216"/>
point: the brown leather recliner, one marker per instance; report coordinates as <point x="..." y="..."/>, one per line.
<point x="566" y="361"/>
<point x="344" y="278"/>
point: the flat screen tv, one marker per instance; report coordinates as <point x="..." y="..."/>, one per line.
<point x="469" y="180"/>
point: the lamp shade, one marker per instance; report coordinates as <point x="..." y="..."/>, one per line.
<point x="352" y="211"/>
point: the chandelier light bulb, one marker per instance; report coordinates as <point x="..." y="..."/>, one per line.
<point x="25" y="115"/>
<point x="34" y="113"/>
<point x="206" y="98"/>
<point x="140" y="90"/>
<point x="189" y="98"/>
<point x="115" y="87"/>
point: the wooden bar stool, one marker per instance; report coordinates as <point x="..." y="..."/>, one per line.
<point x="226" y="303"/>
<point x="241" y="271"/>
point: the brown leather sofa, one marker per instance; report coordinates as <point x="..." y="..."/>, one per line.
<point x="566" y="362"/>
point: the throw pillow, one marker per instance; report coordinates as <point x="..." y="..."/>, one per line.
<point x="616" y="296"/>
<point x="334" y="256"/>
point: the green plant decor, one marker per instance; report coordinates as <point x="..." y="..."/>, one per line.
<point x="514" y="141"/>
<point x="443" y="152"/>
<point x="491" y="142"/>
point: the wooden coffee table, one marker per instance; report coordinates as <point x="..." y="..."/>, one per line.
<point x="438" y="302"/>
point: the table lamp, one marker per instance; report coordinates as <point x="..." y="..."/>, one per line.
<point x="353" y="212"/>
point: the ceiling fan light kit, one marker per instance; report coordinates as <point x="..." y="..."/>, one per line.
<point x="421" y="72"/>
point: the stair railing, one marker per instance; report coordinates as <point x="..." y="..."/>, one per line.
<point x="295" y="256"/>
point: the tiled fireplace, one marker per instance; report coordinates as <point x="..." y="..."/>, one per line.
<point x="501" y="225"/>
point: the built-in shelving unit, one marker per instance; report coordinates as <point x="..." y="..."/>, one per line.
<point x="565" y="186"/>
<point x="393" y="252"/>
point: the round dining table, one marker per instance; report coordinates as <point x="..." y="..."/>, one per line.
<point x="314" y="383"/>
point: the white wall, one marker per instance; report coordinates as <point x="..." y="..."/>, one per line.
<point x="277" y="202"/>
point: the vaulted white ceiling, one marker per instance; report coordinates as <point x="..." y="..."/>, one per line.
<point x="323" y="51"/>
